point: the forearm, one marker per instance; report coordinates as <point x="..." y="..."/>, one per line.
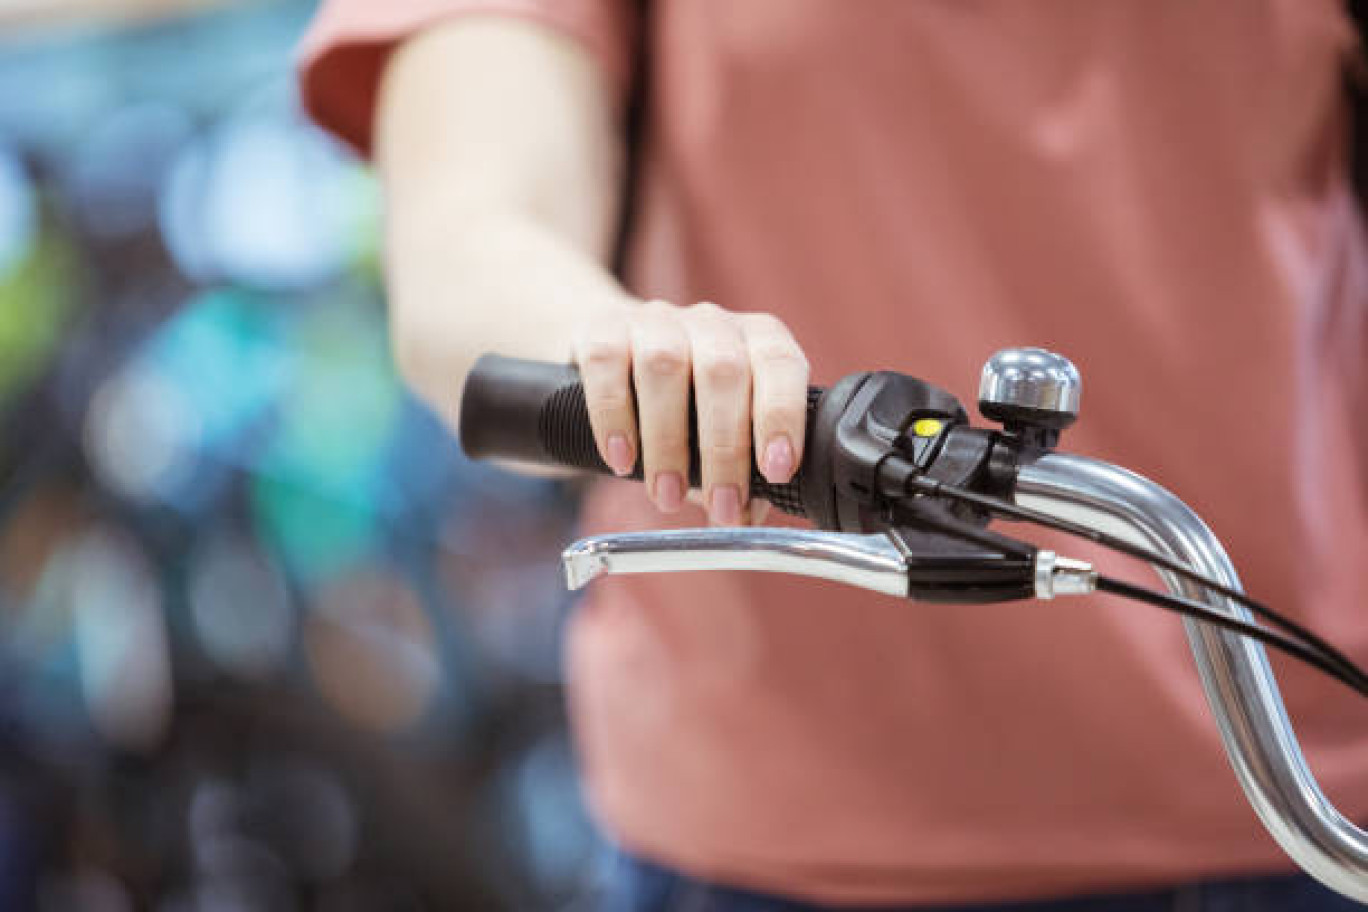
<point x="503" y="284"/>
<point x="498" y="152"/>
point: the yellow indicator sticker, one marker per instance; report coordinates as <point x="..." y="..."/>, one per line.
<point x="927" y="427"/>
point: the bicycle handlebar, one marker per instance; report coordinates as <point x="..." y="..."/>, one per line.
<point x="1239" y="683"/>
<point x="861" y="464"/>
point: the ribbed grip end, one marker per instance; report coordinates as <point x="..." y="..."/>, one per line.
<point x="535" y="412"/>
<point x="564" y="431"/>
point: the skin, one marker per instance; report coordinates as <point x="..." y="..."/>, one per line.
<point x="500" y="153"/>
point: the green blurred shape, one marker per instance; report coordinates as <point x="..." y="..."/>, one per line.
<point x="37" y="298"/>
<point x="322" y="477"/>
<point x="317" y="536"/>
<point x="364" y="260"/>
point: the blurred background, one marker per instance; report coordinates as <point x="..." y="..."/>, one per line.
<point x="267" y="641"/>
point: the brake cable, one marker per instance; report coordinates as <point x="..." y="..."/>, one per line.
<point x="1297" y="640"/>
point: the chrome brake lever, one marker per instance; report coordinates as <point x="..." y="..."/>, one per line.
<point x="879" y="562"/>
<point x="866" y="561"/>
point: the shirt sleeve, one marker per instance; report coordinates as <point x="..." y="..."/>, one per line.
<point x="344" y="51"/>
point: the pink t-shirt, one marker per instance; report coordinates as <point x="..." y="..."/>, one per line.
<point x="1154" y="188"/>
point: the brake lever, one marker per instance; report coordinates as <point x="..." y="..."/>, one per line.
<point x="909" y="563"/>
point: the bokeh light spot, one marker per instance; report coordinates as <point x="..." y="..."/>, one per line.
<point x="141" y="434"/>
<point x="371" y="649"/>
<point x="240" y="607"/>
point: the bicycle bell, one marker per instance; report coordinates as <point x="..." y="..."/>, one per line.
<point x="1031" y="392"/>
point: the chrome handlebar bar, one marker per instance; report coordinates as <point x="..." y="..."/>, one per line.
<point x="1235" y="672"/>
<point x="1239" y="683"/>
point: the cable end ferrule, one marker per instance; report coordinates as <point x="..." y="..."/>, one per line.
<point x="1055" y="575"/>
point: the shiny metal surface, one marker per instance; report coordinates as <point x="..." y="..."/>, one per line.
<point x="1031" y="378"/>
<point x="867" y="561"/>
<point x="1239" y="683"/>
<point x="1055" y="575"/>
<point x="873" y="562"/>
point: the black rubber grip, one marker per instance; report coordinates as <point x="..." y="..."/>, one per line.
<point x="534" y="411"/>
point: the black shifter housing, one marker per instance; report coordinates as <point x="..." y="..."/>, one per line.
<point x="862" y="420"/>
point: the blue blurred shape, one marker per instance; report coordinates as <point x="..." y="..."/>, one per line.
<point x="224" y="352"/>
<point x="121" y="640"/>
<point x="240" y="606"/>
<point x="548" y="817"/>
<point x="116" y="170"/>
<point x="142" y="435"/>
<point x="18" y="211"/>
<point x="266" y="201"/>
<point x="195" y="388"/>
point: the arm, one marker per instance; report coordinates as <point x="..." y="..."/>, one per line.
<point x="499" y="153"/>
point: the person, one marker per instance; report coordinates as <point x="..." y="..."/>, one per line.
<point x="1156" y="189"/>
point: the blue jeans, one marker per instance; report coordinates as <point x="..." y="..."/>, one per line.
<point x="633" y="885"/>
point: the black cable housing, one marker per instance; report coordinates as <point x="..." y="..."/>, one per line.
<point x="1296" y="640"/>
<point x="1189" y="608"/>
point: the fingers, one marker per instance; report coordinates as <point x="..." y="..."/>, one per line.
<point x="749" y="386"/>
<point x="603" y="354"/>
<point x="754" y="514"/>
<point x="660" y="370"/>
<point x="722" y="393"/>
<point x="779" y="381"/>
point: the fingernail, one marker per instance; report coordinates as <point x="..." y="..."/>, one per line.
<point x="725" y="509"/>
<point x="619" y="454"/>
<point x="778" y="460"/>
<point x="669" y="492"/>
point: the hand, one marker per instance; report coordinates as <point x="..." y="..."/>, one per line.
<point x="749" y="380"/>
